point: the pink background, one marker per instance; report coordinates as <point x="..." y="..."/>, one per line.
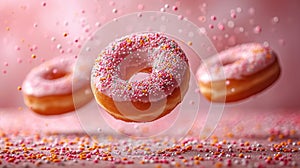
<point x="29" y="27"/>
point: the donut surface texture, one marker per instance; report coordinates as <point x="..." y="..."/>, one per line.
<point x="47" y="89"/>
<point x="166" y="82"/>
<point x="238" y="72"/>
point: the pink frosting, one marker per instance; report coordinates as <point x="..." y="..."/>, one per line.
<point x="168" y="62"/>
<point x="39" y="82"/>
<point x="236" y="62"/>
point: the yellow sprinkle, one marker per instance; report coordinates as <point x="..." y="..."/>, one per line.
<point x="33" y="56"/>
<point x="19" y="88"/>
<point x="257" y="51"/>
<point x="128" y="41"/>
<point x="190" y="43"/>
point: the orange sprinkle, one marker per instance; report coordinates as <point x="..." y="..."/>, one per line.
<point x="196" y="162"/>
<point x="218" y="165"/>
<point x="33" y="56"/>
<point x="19" y="88"/>
<point x="271" y="138"/>
<point x="65" y="34"/>
<point x="257" y="51"/>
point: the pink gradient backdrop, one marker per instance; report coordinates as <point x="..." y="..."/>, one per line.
<point x="27" y="27"/>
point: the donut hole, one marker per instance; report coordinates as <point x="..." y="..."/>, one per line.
<point x="141" y="106"/>
<point x="55" y="74"/>
<point x="140" y="75"/>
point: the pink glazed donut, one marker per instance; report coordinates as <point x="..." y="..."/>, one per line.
<point x="47" y="89"/>
<point x="156" y="95"/>
<point x="238" y="73"/>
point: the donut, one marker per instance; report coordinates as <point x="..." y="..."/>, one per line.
<point x="238" y="72"/>
<point x="47" y="89"/>
<point x="165" y="79"/>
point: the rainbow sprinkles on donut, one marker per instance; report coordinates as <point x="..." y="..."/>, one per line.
<point x="150" y="98"/>
<point x="247" y="69"/>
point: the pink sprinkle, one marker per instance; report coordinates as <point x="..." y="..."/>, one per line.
<point x="87" y="29"/>
<point x="233" y="15"/>
<point x="213" y="18"/>
<point x="115" y="10"/>
<point x="140" y="7"/>
<point x="44" y="4"/>
<point x="257" y="29"/>
<point x="112" y="3"/>
<point x="180" y="17"/>
<point x="202" y="18"/>
<point x="17" y="48"/>
<point x="211" y="26"/>
<point x="54" y="71"/>
<point x="175" y="8"/>
<point x="5" y="63"/>
<point x="281" y="42"/>
<point x="19" y="60"/>
<point x="4" y="71"/>
<point x="221" y="26"/>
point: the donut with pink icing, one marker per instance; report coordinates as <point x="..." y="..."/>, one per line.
<point x="238" y="72"/>
<point x="47" y="89"/>
<point x="164" y="82"/>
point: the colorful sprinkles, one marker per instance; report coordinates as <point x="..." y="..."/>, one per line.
<point x="23" y="149"/>
<point x="162" y="55"/>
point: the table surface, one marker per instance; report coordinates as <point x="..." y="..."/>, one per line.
<point x="251" y="138"/>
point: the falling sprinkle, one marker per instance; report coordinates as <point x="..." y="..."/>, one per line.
<point x="281" y="42"/>
<point x="141" y="7"/>
<point x="180" y="17"/>
<point x="275" y="19"/>
<point x="202" y="19"/>
<point x="162" y="9"/>
<point x="251" y="11"/>
<point x="233" y="15"/>
<point x="59" y="46"/>
<point x="44" y="4"/>
<point x="213" y="18"/>
<point x="239" y="10"/>
<point x="257" y="29"/>
<point x="230" y="24"/>
<point x="221" y="26"/>
<point x="97" y="24"/>
<point x="35" y="25"/>
<point x="114" y="10"/>
<point x="175" y="8"/>
<point x="266" y="44"/>
<point x="53" y="39"/>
